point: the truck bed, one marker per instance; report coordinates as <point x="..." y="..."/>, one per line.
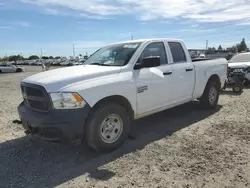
<point x="200" y="59"/>
<point x="203" y="70"/>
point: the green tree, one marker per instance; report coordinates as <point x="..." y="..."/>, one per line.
<point x="220" y="48"/>
<point x="234" y="48"/>
<point x="242" y="46"/>
<point x="45" y="57"/>
<point x="57" y="57"/>
<point x="51" y="57"/>
<point x="16" y="58"/>
<point x="3" y="59"/>
<point x="33" y="57"/>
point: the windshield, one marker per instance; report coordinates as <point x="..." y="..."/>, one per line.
<point x="115" y="55"/>
<point x="240" y="58"/>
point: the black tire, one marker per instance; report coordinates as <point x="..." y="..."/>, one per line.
<point x="0" y="71"/>
<point x="19" y="70"/>
<point x="237" y="88"/>
<point x="94" y="122"/>
<point x="205" y="99"/>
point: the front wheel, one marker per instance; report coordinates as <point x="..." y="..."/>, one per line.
<point x="210" y="96"/>
<point x="107" y="127"/>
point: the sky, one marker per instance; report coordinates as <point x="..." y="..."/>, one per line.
<point x="28" y="27"/>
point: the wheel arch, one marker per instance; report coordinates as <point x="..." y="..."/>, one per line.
<point x="118" y="99"/>
<point x="18" y="70"/>
<point x="216" y="78"/>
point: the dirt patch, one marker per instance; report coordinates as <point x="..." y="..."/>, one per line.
<point x="182" y="147"/>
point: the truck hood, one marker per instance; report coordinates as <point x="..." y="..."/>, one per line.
<point x="239" y="65"/>
<point x="54" y="80"/>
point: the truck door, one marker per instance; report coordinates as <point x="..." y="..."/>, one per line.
<point x="183" y="73"/>
<point x="153" y="85"/>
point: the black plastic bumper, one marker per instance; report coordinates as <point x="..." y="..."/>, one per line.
<point x="56" y="124"/>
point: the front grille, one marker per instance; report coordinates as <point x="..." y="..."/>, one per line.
<point x="34" y="92"/>
<point x="35" y="97"/>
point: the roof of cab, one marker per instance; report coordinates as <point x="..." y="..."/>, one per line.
<point x="147" y="40"/>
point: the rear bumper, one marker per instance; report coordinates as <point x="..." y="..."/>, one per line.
<point x="55" y="124"/>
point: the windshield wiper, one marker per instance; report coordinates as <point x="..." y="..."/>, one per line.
<point x="99" y="64"/>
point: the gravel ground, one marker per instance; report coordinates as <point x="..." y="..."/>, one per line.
<point x="182" y="147"/>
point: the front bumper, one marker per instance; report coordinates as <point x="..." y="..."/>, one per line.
<point x="56" y="124"/>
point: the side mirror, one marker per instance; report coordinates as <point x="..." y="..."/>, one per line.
<point x="153" y="61"/>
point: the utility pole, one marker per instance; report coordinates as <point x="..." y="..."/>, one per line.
<point x="41" y="53"/>
<point x="206" y="46"/>
<point x="74" y="51"/>
<point x="7" y="56"/>
<point x="131" y="36"/>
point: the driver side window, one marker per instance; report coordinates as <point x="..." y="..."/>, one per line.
<point x="155" y="49"/>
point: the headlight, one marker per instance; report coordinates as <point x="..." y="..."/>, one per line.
<point x="67" y="100"/>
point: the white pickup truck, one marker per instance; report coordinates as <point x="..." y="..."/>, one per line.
<point x="119" y="83"/>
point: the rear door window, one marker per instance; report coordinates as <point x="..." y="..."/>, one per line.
<point x="177" y="51"/>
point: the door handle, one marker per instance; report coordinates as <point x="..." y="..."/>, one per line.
<point x="167" y="73"/>
<point x="189" y="70"/>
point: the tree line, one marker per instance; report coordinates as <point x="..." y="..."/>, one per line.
<point x="21" y="58"/>
<point x="32" y="57"/>
<point x="239" y="47"/>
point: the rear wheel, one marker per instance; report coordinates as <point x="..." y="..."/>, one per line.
<point x="19" y="70"/>
<point x="107" y="127"/>
<point x="210" y="96"/>
<point x="237" y="88"/>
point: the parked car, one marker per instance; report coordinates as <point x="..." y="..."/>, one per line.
<point x="99" y="100"/>
<point x="202" y="55"/>
<point x="8" y="68"/>
<point x="241" y="61"/>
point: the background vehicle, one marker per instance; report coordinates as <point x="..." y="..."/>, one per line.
<point x="121" y="82"/>
<point x="236" y="80"/>
<point x="9" y="68"/>
<point x="241" y="61"/>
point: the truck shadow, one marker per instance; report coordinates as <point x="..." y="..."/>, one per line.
<point x="230" y="92"/>
<point x="30" y="162"/>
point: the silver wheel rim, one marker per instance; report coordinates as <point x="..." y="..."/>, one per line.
<point x="212" y="95"/>
<point x="111" y="128"/>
